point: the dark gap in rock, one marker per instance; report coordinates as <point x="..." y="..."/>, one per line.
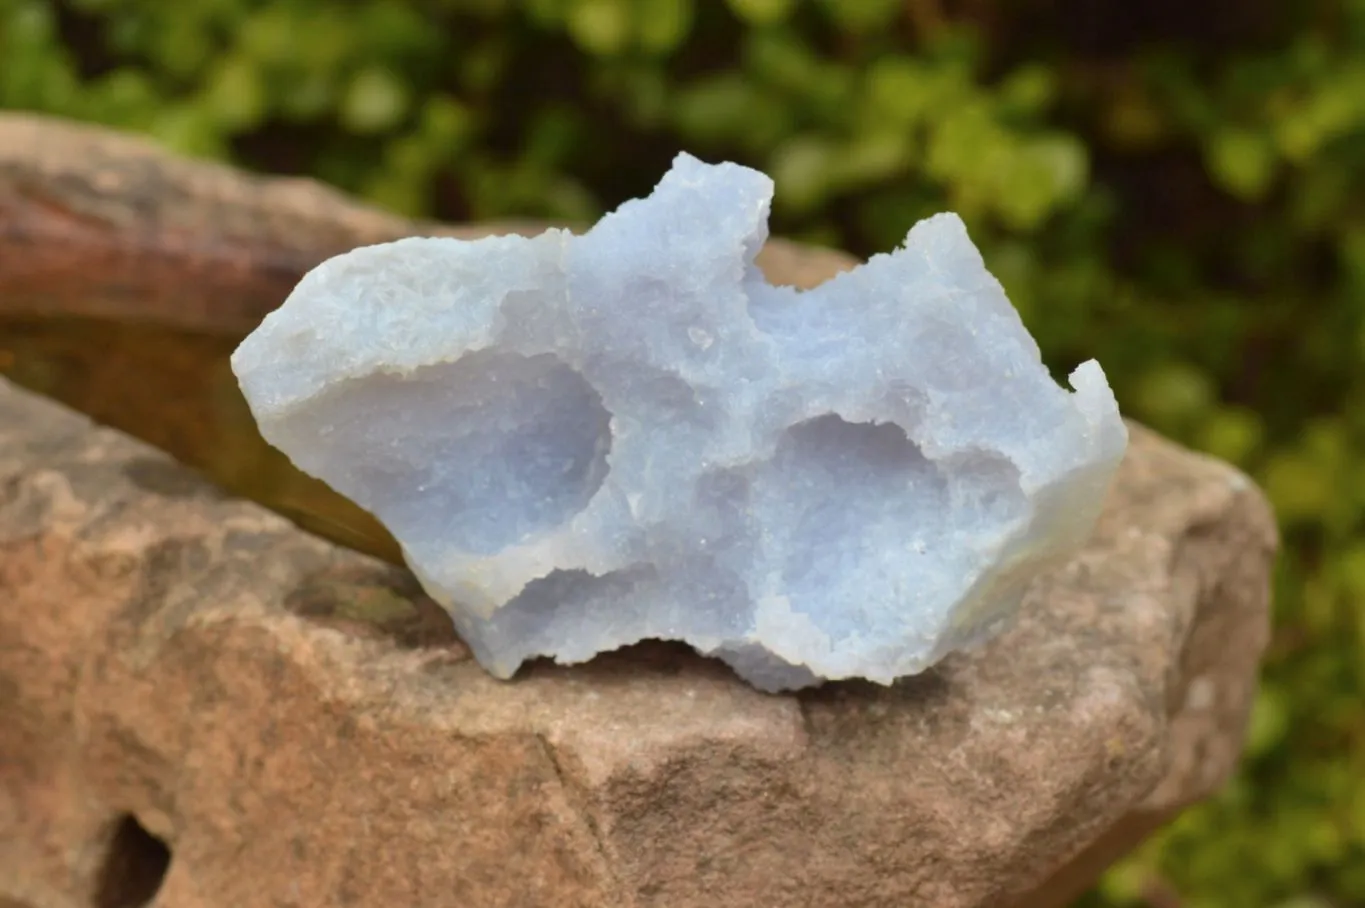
<point x="133" y="868"/>
<point x="651" y="656"/>
<point x="378" y="603"/>
<point x="174" y="389"/>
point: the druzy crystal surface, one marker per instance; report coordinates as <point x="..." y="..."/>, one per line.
<point x="586" y="441"/>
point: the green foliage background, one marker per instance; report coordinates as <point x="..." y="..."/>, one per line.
<point x="1175" y="187"/>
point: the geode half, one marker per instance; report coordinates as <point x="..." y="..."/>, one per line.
<point x="586" y="441"/>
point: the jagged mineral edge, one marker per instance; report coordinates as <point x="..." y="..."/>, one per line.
<point x="581" y="442"/>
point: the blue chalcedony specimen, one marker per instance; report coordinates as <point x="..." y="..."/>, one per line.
<point x="582" y="442"/>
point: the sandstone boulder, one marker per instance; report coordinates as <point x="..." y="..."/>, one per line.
<point x="202" y="706"/>
<point x="189" y="683"/>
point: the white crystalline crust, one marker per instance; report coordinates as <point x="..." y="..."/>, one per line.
<point x="582" y="442"/>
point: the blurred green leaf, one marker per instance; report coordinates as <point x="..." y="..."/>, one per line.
<point x="600" y="27"/>
<point x="1171" y="392"/>
<point x="374" y="101"/>
<point x="447" y="122"/>
<point x="1232" y="433"/>
<point x="761" y="12"/>
<point x="662" y="24"/>
<point x="1243" y="162"/>
<point x="897" y="92"/>
<point x="234" y="94"/>
<point x="1269" y="722"/>
<point x="189" y="130"/>
<point x="801" y="168"/>
<point x="863" y="16"/>
<point x="1029" y="89"/>
<point x="726" y="107"/>
<point x="1297" y="485"/>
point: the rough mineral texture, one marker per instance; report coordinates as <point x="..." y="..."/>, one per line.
<point x="189" y="684"/>
<point x="584" y="442"/>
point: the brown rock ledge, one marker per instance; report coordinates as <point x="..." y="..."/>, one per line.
<point x="102" y="224"/>
<point x="188" y="683"/>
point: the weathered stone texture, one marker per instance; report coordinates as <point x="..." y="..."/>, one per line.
<point x="300" y="727"/>
<point x="98" y="223"/>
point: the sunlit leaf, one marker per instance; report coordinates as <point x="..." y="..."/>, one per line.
<point x="661" y="25"/>
<point x="1243" y="162"/>
<point x="761" y="12"/>
<point x="374" y="101"/>
<point x="600" y="27"/>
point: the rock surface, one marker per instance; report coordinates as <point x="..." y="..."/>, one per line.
<point x="100" y="223"/>
<point x="190" y="684"/>
<point x="583" y="442"/>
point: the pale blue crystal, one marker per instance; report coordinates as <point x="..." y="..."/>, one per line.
<point x="582" y="442"/>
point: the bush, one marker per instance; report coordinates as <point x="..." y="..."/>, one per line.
<point x="1175" y="188"/>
